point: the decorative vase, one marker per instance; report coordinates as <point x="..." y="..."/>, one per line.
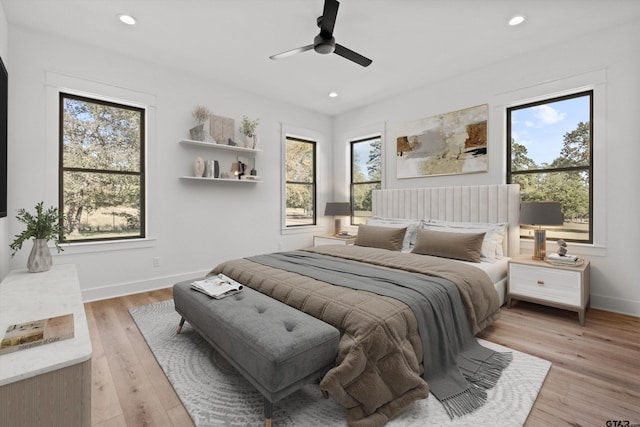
<point x="249" y="141"/>
<point x="40" y="257"/>
<point x="198" y="167"/>
<point x="212" y="169"/>
<point x="197" y="132"/>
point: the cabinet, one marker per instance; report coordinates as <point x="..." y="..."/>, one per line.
<point x="49" y="384"/>
<point x="330" y="239"/>
<point x="226" y="155"/>
<point x="543" y="283"/>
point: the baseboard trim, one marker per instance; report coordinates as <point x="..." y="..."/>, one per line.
<point x="129" y="288"/>
<point x="616" y="305"/>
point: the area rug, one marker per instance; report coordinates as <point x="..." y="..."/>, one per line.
<point x="214" y="394"/>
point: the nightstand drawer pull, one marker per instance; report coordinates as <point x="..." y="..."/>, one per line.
<point x="540" y="282"/>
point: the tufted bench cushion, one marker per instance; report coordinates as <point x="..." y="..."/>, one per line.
<point x="277" y="348"/>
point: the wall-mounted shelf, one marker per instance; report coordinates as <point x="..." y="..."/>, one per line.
<point x="220" y="146"/>
<point x="230" y="150"/>
<point x="241" y="181"/>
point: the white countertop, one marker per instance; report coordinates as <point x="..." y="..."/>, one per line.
<point x="28" y="296"/>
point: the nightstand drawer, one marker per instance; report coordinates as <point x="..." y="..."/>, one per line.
<point x="561" y="286"/>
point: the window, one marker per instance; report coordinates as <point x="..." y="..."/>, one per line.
<point x="550" y="154"/>
<point x="366" y="175"/>
<point x="300" y="182"/>
<point x="101" y="173"/>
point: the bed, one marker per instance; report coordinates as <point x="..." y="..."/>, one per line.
<point x="383" y="363"/>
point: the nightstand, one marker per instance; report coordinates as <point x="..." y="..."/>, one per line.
<point x="542" y="283"/>
<point x="330" y="239"/>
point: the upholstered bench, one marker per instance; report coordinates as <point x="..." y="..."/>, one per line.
<point x="277" y="348"/>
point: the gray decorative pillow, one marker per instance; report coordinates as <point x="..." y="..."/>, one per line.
<point x="462" y="246"/>
<point x="380" y="237"/>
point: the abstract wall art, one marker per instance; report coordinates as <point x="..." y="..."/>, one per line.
<point x="446" y="144"/>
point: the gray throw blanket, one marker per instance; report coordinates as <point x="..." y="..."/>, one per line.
<point x="457" y="368"/>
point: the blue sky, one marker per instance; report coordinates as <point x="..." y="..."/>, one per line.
<point x="541" y="128"/>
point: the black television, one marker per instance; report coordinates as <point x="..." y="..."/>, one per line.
<point x="4" y="101"/>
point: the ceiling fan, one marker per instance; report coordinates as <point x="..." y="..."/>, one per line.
<point x="325" y="42"/>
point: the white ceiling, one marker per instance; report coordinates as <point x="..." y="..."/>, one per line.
<point x="412" y="42"/>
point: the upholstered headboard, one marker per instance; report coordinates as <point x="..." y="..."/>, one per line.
<point x="476" y="203"/>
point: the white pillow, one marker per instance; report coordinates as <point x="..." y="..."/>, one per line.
<point x="493" y="238"/>
<point x="411" y="224"/>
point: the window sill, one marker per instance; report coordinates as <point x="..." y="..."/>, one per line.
<point x="106" y="246"/>
<point x="302" y="229"/>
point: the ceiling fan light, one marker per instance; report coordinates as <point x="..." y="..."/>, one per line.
<point x="516" y="20"/>
<point x="333" y="94"/>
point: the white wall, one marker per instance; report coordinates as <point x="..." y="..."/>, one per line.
<point x="193" y="225"/>
<point x="4" y="222"/>
<point x="609" y="61"/>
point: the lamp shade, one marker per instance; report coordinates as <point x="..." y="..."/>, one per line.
<point x="541" y="213"/>
<point x="337" y="208"/>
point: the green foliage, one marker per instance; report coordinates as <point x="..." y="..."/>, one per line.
<point x="102" y="142"/>
<point x="248" y="126"/>
<point x="569" y="187"/>
<point x="363" y="175"/>
<point x="44" y="225"/>
<point x="299" y="175"/>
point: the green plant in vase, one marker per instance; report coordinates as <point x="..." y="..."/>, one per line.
<point x="44" y="226"/>
<point x="248" y="129"/>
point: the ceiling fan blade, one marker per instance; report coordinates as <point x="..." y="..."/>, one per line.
<point x="291" y="52"/>
<point x="329" y="15"/>
<point x="352" y="56"/>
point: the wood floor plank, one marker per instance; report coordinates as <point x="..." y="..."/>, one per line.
<point x="595" y="376"/>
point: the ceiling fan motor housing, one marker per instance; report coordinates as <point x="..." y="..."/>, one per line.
<point x="324" y="45"/>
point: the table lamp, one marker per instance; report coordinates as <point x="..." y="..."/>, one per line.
<point x="337" y="209"/>
<point x="539" y="214"/>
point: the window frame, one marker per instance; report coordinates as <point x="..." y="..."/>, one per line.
<point x="589" y="168"/>
<point x="141" y="173"/>
<point x="353" y="184"/>
<point x="314" y="183"/>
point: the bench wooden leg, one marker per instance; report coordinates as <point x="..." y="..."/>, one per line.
<point x="181" y="325"/>
<point x="268" y="410"/>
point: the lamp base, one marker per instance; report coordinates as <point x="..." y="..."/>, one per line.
<point x="539" y="245"/>
<point x="337" y="226"/>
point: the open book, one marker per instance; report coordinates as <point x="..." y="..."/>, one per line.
<point x="217" y="287"/>
<point x="22" y="336"/>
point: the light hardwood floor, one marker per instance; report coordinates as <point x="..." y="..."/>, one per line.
<point x="595" y="375"/>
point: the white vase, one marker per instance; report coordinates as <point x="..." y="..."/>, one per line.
<point x="250" y="141"/>
<point x="40" y="257"/>
<point x="198" y="167"/>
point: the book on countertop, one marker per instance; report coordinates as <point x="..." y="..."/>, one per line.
<point x="22" y="336"/>
<point x="217" y="287"/>
<point x="564" y="260"/>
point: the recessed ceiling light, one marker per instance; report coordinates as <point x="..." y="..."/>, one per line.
<point x="516" y="20"/>
<point x="127" y="19"/>
<point x="333" y="94"/>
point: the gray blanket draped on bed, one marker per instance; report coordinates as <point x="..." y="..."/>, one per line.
<point x="457" y="368"/>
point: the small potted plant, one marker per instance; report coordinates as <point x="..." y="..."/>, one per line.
<point x="248" y="129"/>
<point x="42" y="227"/>
<point x="201" y="114"/>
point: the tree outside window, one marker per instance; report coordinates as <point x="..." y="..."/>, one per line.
<point x="366" y="176"/>
<point x="550" y="156"/>
<point x="300" y="182"/>
<point x="101" y="169"/>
